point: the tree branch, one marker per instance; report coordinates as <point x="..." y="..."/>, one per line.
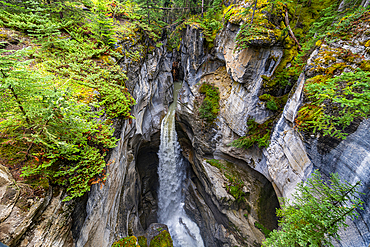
<point x="290" y="30"/>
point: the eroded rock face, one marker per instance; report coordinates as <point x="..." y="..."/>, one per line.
<point x="223" y="219"/>
<point x="127" y="203"/>
<point x="41" y="222"/>
<point x="292" y="156"/>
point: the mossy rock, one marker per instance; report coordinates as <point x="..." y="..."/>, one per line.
<point x="143" y="241"/>
<point x="130" y="241"/>
<point x="162" y="240"/>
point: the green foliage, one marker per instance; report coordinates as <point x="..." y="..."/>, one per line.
<point x="102" y="23"/>
<point x="319" y="209"/>
<point x="336" y="102"/>
<point x="210" y="23"/>
<point x="68" y="141"/>
<point x="210" y="106"/>
<point x="216" y="163"/>
<point x="274" y="103"/>
<point x="263" y="229"/>
<point x="162" y="240"/>
<point x="235" y="187"/>
<point x="56" y="102"/>
<point x="271" y="105"/>
<point x="257" y="133"/>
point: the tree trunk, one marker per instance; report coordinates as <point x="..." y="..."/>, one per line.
<point x="290" y="30"/>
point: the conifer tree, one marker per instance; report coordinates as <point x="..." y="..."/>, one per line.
<point x="319" y="209"/>
<point x="64" y="139"/>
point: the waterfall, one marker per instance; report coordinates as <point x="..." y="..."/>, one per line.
<point x="171" y="172"/>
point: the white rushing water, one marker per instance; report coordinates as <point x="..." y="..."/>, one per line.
<point x="171" y="172"/>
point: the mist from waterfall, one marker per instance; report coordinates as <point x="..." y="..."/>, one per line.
<point x="172" y="174"/>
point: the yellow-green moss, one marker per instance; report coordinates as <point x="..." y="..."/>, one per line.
<point x="367" y="44"/>
<point x="162" y="240"/>
<point x="365" y="65"/>
<point x="126" y="242"/>
<point x="142" y="241"/>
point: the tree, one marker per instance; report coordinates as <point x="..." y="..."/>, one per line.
<point x="64" y="140"/>
<point x="317" y="212"/>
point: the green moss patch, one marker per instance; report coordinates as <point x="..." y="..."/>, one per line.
<point x="162" y="240"/>
<point x="210" y="106"/>
<point x="143" y="241"/>
<point x="257" y="134"/>
<point x="126" y="242"/>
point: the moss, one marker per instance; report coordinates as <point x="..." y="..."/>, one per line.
<point x="216" y="163"/>
<point x="257" y="134"/>
<point x="210" y="106"/>
<point x="284" y="75"/>
<point x="142" y="241"/>
<point x="126" y="242"/>
<point x="365" y="65"/>
<point x="235" y="184"/>
<point x="162" y="240"/>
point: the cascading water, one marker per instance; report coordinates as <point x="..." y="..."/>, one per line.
<point x="171" y="172"/>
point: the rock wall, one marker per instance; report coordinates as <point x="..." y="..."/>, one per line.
<point x="225" y="220"/>
<point x="34" y="222"/>
<point x="290" y="157"/>
<point x="113" y="210"/>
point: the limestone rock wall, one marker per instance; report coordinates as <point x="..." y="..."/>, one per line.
<point x="225" y="220"/>
<point x="113" y="209"/>
<point x="291" y="155"/>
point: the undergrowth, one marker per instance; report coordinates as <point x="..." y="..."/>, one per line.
<point x="60" y="115"/>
